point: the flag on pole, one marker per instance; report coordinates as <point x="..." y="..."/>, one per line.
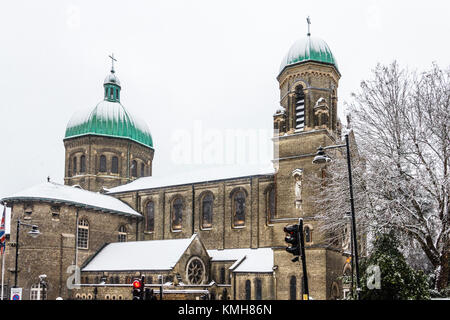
<point x="2" y="232"/>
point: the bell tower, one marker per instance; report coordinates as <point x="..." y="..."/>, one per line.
<point x="308" y="81"/>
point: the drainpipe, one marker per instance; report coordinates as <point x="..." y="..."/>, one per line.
<point x="234" y="286"/>
<point x="76" y="238"/>
<point x="193" y="209"/>
<point x="163" y="212"/>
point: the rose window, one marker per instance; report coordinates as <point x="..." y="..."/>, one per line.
<point x="195" y="271"/>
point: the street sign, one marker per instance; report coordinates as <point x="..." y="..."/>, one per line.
<point x="16" y="293"/>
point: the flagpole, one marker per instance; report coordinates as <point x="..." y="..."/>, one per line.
<point x="3" y="272"/>
<point x="3" y="245"/>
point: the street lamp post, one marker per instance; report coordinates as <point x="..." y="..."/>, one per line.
<point x="34" y="232"/>
<point x="321" y="157"/>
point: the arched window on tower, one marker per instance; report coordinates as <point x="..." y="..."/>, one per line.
<point x="177" y="213"/>
<point x="134" y="168"/>
<point x="74" y="167"/>
<point x="142" y="170"/>
<point x="270" y="204"/>
<point x="115" y="165"/>
<point x="83" y="164"/>
<point x="239" y="208"/>
<point x="248" y="290"/>
<point x="299" y="109"/>
<point x="293" y="288"/>
<point x="102" y="167"/>
<point x="150" y="216"/>
<point x="207" y="210"/>
<point x="308" y="234"/>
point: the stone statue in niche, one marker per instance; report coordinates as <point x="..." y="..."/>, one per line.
<point x="297" y="174"/>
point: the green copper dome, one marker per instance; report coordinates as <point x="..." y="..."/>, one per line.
<point x="308" y="49"/>
<point x="109" y="118"/>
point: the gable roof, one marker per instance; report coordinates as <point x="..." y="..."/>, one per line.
<point x="139" y="255"/>
<point x="58" y="193"/>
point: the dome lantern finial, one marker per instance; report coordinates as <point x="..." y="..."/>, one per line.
<point x="112" y="84"/>
<point x="308" y="20"/>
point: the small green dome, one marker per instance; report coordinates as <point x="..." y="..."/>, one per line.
<point x="308" y="49"/>
<point x="109" y="118"/>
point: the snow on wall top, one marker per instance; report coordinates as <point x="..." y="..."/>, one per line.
<point x="50" y="191"/>
<point x="246" y="260"/>
<point x="190" y="177"/>
<point x="139" y="255"/>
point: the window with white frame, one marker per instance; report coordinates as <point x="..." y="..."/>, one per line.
<point x="37" y="292"/>
<point x="83" y="234"/>
<point x="122" y="234"/>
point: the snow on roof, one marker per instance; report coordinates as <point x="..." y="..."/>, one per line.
<point x="246" y="260"/>
<point x="190" y="177"/>
<point x="54" y="192"/>
<point x="139" y="255"/>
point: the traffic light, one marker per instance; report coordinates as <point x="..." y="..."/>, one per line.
<point x="293" y="239"/>
<point x="138" y="289"/>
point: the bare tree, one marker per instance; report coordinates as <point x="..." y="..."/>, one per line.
<point x="401" y="122"/>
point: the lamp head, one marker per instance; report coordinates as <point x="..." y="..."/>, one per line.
<point x="321" y="157"/>
<point x="34" y="232"/>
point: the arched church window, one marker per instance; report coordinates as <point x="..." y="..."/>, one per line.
<point x="83" y="163"/>
<point x="248" y="290"/>
<point x="299" y="109"/>
<point x="308" y="234"/>
<point x="222" y="275"/>
<point x="270" y="204"/>
<point x="83" y="234"/>
<point x="224" y="294"/>
<point x="115" y="165"/>
<point x="239" y="208"/>
<point x="74" y="165"/>
<point x="207" y="210"/>
<point x="150" y="216"/>
<point x="134" y="168"/>
<point x="142" y="170"/>
<point x="258" y="289"/>
<point x="102" y="163"/>
<point x="177" y="213"/>
<point x="293" y="288"/>
<point x="122" y="234"/>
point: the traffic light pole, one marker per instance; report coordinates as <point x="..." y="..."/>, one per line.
<point x="302" y="252"/>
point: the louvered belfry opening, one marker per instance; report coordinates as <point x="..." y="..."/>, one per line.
<point x="299" y="109"/>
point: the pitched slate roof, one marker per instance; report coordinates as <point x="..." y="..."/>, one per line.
<point x="139" y="255"/>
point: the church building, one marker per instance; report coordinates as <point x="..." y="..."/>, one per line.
<point x="191" y="236"/>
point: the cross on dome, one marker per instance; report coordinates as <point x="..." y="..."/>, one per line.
<point x="308" y="20"/>
<point x="112" y="62"/>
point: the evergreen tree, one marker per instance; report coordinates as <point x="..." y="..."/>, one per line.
<point x="398" y="280"/>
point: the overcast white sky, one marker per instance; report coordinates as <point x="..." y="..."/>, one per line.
<point x="210" y="63"/>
